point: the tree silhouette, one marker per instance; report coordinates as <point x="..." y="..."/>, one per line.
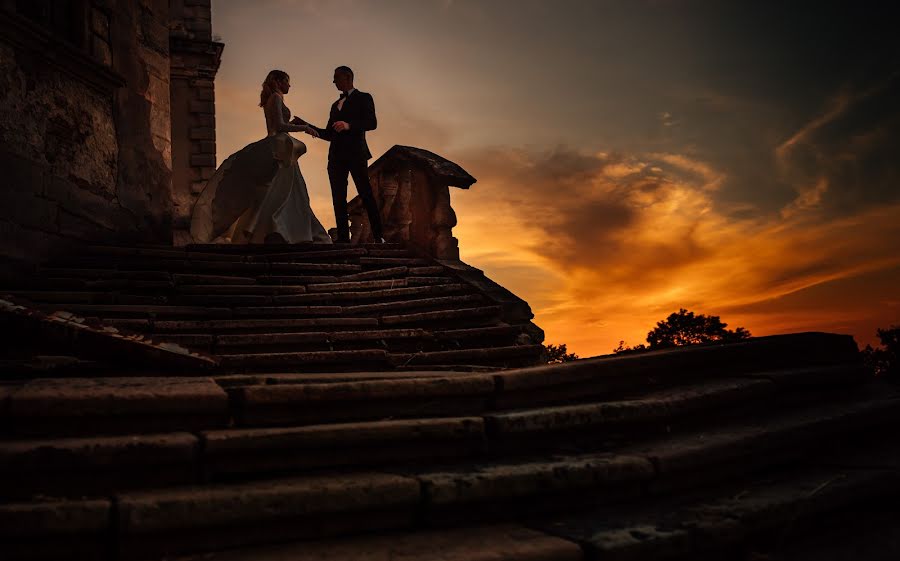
<point x="557" y="354"/>
<point x="885" y="360"/>
<point x="686" y="328"/>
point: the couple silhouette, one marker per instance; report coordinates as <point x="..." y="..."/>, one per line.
<point x="258" y="194"/>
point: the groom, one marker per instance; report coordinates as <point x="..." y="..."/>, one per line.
<point x="351" y="116"/>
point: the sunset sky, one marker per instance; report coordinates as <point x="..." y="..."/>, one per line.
<point x="739" y="159"/>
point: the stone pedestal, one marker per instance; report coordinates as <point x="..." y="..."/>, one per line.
<point x="412" y="187"/>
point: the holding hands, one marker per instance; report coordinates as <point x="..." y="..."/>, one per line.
<point x="308" y="129"/>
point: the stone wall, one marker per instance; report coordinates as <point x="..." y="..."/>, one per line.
<point x="85" y="133"/>
<point x="194" y="63"/>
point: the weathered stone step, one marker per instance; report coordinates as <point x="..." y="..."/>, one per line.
<point x="87" y="297"/>
<point x="357" y="286"/>
<point x="140" y="310"/>
<point x="506" y="542"/>
<point x="189" y="279"/>
<point x="463" y="301"/>
<point x="158" y="523"/>
<point x="393" y="293"/>
<point x="78" y="406"/>
<point x="423" y="281"/>
<point x="82" y="461"/>
<point x="294" y="279"/>
<point x="96" y="465"/>
<point x="432" y="270"/>
<point x="103" y="272"/>
<point x="262" y="249"/>
<point x="285" y="311"/>
<point x="265" y="450"/>
<point x="317" y="337"/>
<point x="62" y="283"/>
<point x="245" y="325"/>
<point x="187" y="266"/>
<point x="612" y="375"/>
<point x="376" y="274"/>
<point x="765" y="514"/>
<point x="383" y="262"/>
<point x="440" y="317"/>
<point x="389" y="253"/>
<point x="223" y="515"/>
<point x="150" y="253"/>
<point x="698" y="400"/>
<point x="514" y="354"/>
<point x="255" y="289"/>
<point x="299" y="361"/>
<point x="459" y="395"/>
<point x="321" y="254"/>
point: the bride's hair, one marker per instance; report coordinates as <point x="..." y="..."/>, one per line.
<point x="268" y="86"/>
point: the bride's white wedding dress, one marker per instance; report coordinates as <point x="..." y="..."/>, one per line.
<point x="259" y="192"/>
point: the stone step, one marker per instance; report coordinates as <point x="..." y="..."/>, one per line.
<point x="500" y="542"/>
<point x="431" y="270"/>
<point x="86" y="297"/>
<point x="189" y="279"/>
<point x="157" y="265"/>
<point x="286" y="311"/>
<point x="252" y="289"/>
<point x="376" y="274"/>
<point x="357" y="286"/>
<point x="218" y="516"/>
<point x="178" y="457"/>
<point x="390" y="253"/>
<point x="443" y="317"/>
<point x="103" y="272"/>
<point x="300" y="361"/>
<point x="610" y="376"/>
<point x="266" y="450"/>
<point x="125" y="310"/>
<point x="78" y="406"/>
<point x="665" y="407"/>
<point x="457" y="302"/>
<point x="245" y="325"/>
<point x="424" y="281"/>
<point x="150" y="253"/>
<point x="385" y="262"/>
<point x="763" y="514"/>
<point x="243" y="340"/>
<point x="392" y="293"/>
<point x="510" y="355"/>
<point x="294" y="279"/>
<point x="62" y="283"/>
<point x="318" y="255"/>
<point x="262" y="249"/>
<point x="459" y="395"/>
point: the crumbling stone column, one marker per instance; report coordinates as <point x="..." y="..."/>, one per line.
<point x="195" y="62"/>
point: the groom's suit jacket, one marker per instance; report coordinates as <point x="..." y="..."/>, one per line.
<point x="350" y="145"/>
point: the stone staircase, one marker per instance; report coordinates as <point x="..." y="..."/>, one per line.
<point x="772" y="448"/>
<point x="304" y="306"/>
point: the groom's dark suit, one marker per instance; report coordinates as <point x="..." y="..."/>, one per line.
<point x="349" y="153"/>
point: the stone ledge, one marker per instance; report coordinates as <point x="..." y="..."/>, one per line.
<point x="505" y="542"/>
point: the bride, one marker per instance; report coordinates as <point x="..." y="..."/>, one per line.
<point x="258" y="193"/>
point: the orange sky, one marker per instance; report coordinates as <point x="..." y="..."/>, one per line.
<point x="625" y="167"/>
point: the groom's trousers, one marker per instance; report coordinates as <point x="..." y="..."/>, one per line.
<point x="337" y="176"/>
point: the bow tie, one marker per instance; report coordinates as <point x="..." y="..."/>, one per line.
<point x="343" y="96"/>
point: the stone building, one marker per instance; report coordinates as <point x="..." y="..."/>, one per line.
<point x="107" y="119"/>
